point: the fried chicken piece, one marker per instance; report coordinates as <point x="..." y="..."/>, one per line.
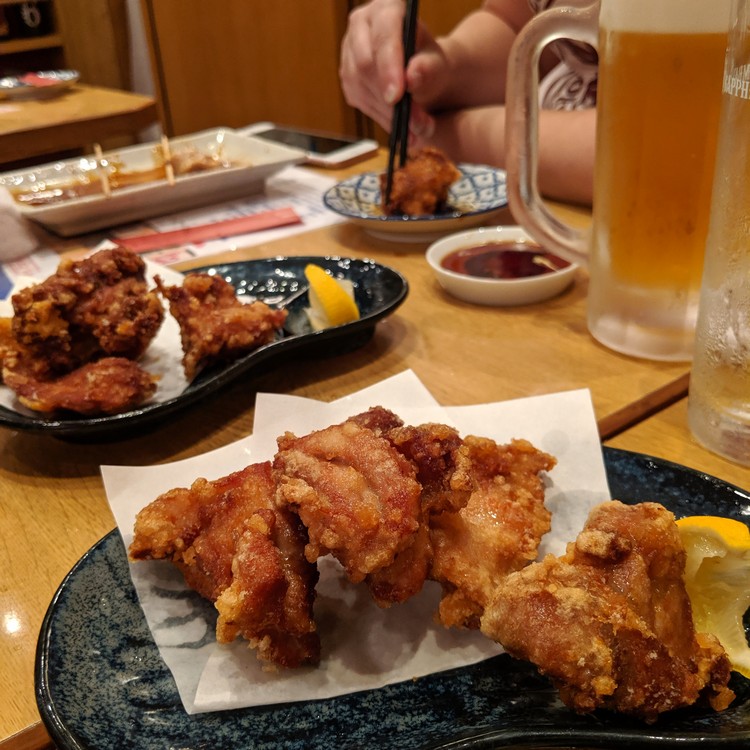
<point x="495" y="532"/>
<point x="378" y="419"/>
<point x="432" y="449"/>
<point x="610" y="622"/>
<point x="7" y="340"/>
<point x="107" y="386"/>
<point x="214" y="325"/>
<point x="235" y="548"/>
<point x="421" y="185"/>
<point x="96" y="307"/>
<point x="355" y="493"/>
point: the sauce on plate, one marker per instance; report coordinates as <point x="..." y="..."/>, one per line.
<point x="503" y="260"/>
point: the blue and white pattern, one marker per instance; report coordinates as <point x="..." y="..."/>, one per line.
<point x="479" y="192"/>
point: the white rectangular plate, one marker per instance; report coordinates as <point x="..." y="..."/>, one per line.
<point x="253" y="160"/>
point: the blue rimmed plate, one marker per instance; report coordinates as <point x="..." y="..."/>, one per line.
<point x="101" y="683"/>
<point x="472" y="199"/>
<point x="378" y="291"/>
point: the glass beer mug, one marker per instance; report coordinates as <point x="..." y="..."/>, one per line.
<point x="719" y="397"/>
<point x="658" y="98"/>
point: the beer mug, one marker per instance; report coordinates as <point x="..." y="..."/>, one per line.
<point x="719" y="395"/>
<point x="658" y="98"/>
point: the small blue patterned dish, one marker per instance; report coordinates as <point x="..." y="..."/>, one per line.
<point x="101" y="683"/>
<point x="472" y="199"/>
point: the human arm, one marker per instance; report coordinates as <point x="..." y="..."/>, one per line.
<point x="464" y="68"/>
<point x="565" y="170"/>
<point x="457" y="84"/>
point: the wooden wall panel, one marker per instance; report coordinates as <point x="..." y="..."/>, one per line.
<point x="234" y="62"/>
<point x="95" y="34"/>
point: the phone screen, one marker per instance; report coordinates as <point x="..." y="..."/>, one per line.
<point x="319" y="144"/>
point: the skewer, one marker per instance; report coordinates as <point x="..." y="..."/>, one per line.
<point x="101" y="168"/>
<point x="167" y="155"/>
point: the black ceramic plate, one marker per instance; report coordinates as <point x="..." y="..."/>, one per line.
<point x="378" y="290"/>
<point x="101" y="684"/>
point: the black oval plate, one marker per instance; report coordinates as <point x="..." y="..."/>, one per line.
<point x="101" y="683"/>
<point x="378" y="291"/>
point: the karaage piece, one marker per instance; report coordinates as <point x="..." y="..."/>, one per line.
<point x="432" y="449"/>
<point x="355" y="493"/>
<point x="7" y="339"/>
<point x="96" y="307"/>
<point x="214" y="325"/>
<point x="496" y="531"/>
<point x="106" y="386"/>
<point x="420" y="187"/>
<point x="235" y="548"/>
<point x="610" y="621"/>
<point x="378" y="419"/>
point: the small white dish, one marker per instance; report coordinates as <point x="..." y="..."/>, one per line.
<point x="482" y="290"/>
<point x="472" y="199"/>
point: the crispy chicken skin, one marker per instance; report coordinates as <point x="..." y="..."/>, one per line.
<point x="432" y="449"/>
<point x="214" y="325"/>
<point x="355" y="493"/>
<point x="96" y="307"/>
<point x="7" y="340"/>
<point x="481" y="515"/>
<point x="106" y="386"/>
<point x="610" y="621"/>
<point x="496" y="531"/>
<point x="237" y="549"/>
<point x="420" y="186"/>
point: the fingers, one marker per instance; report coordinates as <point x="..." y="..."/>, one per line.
<point x="421" y="126"/>
<point x="371" y="68"/>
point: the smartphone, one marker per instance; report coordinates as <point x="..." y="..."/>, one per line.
<point x="321" y="149"/>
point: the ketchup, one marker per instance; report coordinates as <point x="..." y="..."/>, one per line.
<point x="503" y="260"/>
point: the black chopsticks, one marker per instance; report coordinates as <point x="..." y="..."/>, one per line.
<point x="399" y="137"/>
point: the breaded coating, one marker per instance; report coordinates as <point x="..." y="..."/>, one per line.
<point x="7" y="340"/>
<point x="215" y="326"/>
<point x="420" y="187"/>
<point x="106" y="386"/>
<point x="235" y="548"/>
<point x="432" y="449"/>
<point x="610" y="622"/>
<point x="96" y="307"/>
<point x="355" y="493"/>
<point x="495" y="532"/>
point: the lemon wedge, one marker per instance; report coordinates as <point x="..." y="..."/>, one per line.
<point x="717" y="577"/>
<point x="331" y="300"/>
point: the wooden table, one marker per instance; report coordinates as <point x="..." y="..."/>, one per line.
<point x="54" y="507"/>
<point x="74" y="119"/>
<point x="666" y="435"/>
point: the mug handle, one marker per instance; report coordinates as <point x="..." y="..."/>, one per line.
<point x="522" y="125"/>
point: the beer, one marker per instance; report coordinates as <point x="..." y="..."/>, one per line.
<point x="659" y="95"/>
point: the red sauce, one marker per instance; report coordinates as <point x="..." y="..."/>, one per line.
<point x="503" y="260"/>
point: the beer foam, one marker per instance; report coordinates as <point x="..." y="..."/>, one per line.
<point x="666" y="16"/>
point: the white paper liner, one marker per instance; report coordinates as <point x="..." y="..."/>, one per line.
<point x="163" y="357"/>
<point x="363" y="647"/>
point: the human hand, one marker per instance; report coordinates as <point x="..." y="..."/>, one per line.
<point x="372" y="65"/>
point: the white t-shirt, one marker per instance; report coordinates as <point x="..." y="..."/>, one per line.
<point x="572" y="83"/>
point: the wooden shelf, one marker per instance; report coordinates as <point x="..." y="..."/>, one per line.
<point x="31" y="43"/>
